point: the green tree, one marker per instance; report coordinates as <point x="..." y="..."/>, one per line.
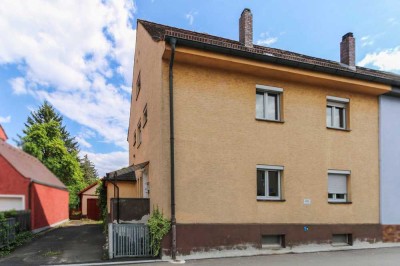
<point x="89" y="170"/>
<point x="44" y="114"/>
<point x="44" y="141"/>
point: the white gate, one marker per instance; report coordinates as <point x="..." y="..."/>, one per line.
<point x="129" y="240"/>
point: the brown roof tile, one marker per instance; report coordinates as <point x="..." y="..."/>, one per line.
<point x="160" y="32"/>
<point x="28" y="166"/>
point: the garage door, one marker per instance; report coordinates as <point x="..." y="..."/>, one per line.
<point x="11" y="203"/>
<point x="93" y="211"/>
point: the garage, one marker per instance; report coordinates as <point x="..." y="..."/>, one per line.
<point x="12" y="202"/>
<point x="89" y="202"/>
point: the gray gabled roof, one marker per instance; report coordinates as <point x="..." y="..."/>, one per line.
<point x="29" y="167"/>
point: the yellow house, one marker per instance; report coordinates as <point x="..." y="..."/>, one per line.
<point x="251" y="145"/>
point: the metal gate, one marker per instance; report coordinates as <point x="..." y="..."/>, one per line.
<point x="129" y="240"/>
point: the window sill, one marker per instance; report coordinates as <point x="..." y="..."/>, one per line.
<point x="340" y="129"/>
<point x="270" y="120"/>
<point x="340" y="202"/>
<point x="273" y="200"/>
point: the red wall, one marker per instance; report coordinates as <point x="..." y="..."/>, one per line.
<point x="12" y="182"/>
<point x="49" y="205"/>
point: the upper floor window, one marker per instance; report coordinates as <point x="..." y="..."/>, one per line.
<point x="138" y="85"/>
<point x="139" y="133"/>
<point x="145" y="115"/>
<point x="337" y="112"/>
<point x="268" y="102"/>
<point x="134" y="138"/>
<point x="269" y="182"/>
<point x="337" y="186"/>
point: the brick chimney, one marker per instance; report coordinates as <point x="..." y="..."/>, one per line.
<point x="348" y="50"/>
<point x="3" y="135"/>
<point x="246" y="28"/>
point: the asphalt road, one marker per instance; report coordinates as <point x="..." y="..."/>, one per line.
<point x="75" y="243"/>
<point x="370" y="257"/>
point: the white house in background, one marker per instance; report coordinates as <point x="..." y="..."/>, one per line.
<point x="89" y="202"/>
<point x="389" y="128"/>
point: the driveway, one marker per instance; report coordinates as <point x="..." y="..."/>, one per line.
<point x="75" y="242"/>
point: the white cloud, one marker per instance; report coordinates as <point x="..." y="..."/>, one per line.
<point x="367" y="41"/>
<point x="83" y="142"/>
<point x="386" y="60"/>
<point x="392" y="21"/>
<point x="190" y="16"/>
<point x="71" y="53"/>
<point x="18" y="86"/>
<point x="266" y="39"/>
<point x="5" y="119"/>
<point x="107" y="162"/>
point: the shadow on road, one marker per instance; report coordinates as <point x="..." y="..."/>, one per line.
<point x="75" y="242"/>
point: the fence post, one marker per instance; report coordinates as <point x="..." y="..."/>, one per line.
<point x="110" y="241"/>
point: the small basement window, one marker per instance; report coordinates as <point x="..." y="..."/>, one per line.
<point x="341" y="239"/>
<point x="272" y="241"/>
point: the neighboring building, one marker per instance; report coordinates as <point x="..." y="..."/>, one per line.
<point x="89" y="202"/>
<point x="26" y="184"/>
<point x="390" y="164"/>
<point x="268" y="147"/>
<point x="126" y="199"/>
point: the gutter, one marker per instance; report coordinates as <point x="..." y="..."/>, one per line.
<point x="281" y="61"/>
<point x="394" y="92"/>
<point x="172" y="42"/>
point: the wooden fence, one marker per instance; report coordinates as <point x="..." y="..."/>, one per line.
<point x="7" y="231"/>
<point x="10" y="227"/>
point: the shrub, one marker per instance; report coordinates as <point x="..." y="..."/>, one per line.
<point x="159" y="227"/>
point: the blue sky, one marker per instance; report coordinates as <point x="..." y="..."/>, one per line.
<point x="78" y="55"/>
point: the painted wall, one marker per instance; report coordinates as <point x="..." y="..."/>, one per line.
<point x="126" y="190"/>
<point x="89" y="194"/>
<point x="49" y="206"/>
<point x="219" y="143"/>
<point x="390" y="159"/>
<point x="155" y="134"/>
<point x="12" y="182"/>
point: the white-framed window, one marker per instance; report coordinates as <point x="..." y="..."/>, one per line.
<point x="269" y="182"/>
<point x="139" y="133"/>
<point x="268" y="102"/>
<point x="145" y="115"/>
<point x="336" y="112"/>
<point x="337" y="185"/>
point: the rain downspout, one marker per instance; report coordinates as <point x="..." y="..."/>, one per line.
<point x="172" y="42"/>
<point x="115" y="188"/>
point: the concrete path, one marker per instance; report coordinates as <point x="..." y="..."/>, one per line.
<point x="75" y="242"/>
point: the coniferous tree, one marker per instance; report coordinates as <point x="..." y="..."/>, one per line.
<point x="46" y="113"/>
<point x="89" y="171"/>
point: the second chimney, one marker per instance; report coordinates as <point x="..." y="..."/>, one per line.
<point x="246" y="28"/>
<point x="348" y="50"/>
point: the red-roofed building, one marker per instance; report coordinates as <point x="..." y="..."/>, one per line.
<point x="26" y="184"/>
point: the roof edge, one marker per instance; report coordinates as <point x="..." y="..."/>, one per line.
<point x="281" y="61"/>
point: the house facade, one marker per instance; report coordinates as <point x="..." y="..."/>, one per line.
<point x="26" y="184"/>
<point x="389" y="164"/>
<point x="254" y="146"/>
<point x="89" y="202"/>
